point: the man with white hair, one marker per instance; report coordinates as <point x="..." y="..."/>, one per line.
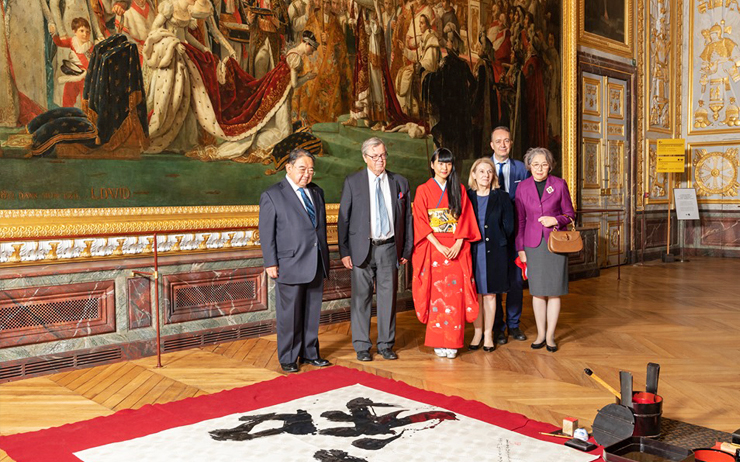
<point x="376" y="236"/>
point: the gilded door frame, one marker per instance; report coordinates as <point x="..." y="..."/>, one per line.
<point x="614" y="69"/>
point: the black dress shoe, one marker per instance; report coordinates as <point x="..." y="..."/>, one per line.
<point x="388" y="354"/>
<point x="364" y="356"/>
<point x="501" y="337"/>
<point x="517" y="334"/>
<point x="289" y="367"/>
<point x="552" y="349"/>
<point x="318" y="362"/>
<point x="537" y="346"/>
<point x="473" y="347"/>
<point x="490" y="348"/>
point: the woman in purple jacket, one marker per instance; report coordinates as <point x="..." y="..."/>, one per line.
<point x="543" y="204"/>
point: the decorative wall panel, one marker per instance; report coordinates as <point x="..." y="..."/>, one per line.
<point x="339" y="283"/>
<point x="42" y="314"/>
<point x="659" y="61"/>
<point x="713" y="172"/>
<point x="210" y="294"/>
<point x="714" y="67"/>
<point x="139" y="303"/>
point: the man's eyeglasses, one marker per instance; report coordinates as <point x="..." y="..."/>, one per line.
<point x="377" y="157"/>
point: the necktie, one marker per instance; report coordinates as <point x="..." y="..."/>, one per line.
<point x="501" y="179"/>
<point x="309" y="206"/>
<point x="382" y="225"/>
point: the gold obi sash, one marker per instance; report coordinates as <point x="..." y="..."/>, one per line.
<point x="442" y="221"/>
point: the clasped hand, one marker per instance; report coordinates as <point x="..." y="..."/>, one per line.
<point x="450" y="253"/>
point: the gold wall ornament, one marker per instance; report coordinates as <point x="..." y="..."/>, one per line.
<point x="591" y="163"/>
<point x="591" y="97"/>
<point x="732" y="114"/>
<point x="616" y="101"/>
<point x="52" y="254"/>
<point x="657" y="182"/>
<point x="86" y="252"/>
<point x="701" y="116"/>
<point x="16" y="255"/>
<point x="615" y="153"/>
<point x="176" y="246"/>
<point x="204" y="243"/>
<point x="119" y="248"/>
<point x="149" y="248"/>
<point x="707" y="5"/>
<point x="715" y="172"/>
<point x="660" y="60"/>
<point x="714" y="66"/>
<point x="590" y="126"/>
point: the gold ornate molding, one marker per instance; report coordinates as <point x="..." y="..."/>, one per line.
<point x="51" y="223"/>
<point x="570" y="94"/>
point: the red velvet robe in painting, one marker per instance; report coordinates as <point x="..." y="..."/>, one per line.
<point x="444" y="290"/>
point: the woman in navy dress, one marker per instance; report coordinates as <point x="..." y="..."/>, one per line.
<point x="495" y="216"/>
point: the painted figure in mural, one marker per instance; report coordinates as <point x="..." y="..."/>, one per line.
<point x="137" y="22"/>
<point x="327" y="97"/>
<point x="292" y="227"/>
<point x="186" y="76"/>
<point x="552" y="79"/>
<point x="535" y="119"/>
<point x="76" y="62"/>
<point x="369" y="79"/>
<point x="447" y="94"/>
<point x="8" y="91"/>
<point x="390" y="16"/>
<point x="298" y="13"/>
<point x="265" y="29"/>
<point x="422" y="56"/>
<point x="443" y="286"/>
<point x="28" y="23"/>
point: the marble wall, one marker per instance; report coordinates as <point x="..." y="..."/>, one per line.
<point x="61" y="316"/>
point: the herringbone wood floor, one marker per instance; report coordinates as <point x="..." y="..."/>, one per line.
<point x="684" y="316"/>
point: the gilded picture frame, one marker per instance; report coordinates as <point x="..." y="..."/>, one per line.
<point x="612" y="34"/>
<point x="39" y="224"/>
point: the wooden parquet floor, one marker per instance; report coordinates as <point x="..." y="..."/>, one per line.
<point x="684" y="316"/>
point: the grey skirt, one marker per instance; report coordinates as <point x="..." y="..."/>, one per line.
<point x="547" y="271"/>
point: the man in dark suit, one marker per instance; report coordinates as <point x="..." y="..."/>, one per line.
<point x="510" y="173"/>
<point x="375" y="237"/>
<point x="292" y="226"/>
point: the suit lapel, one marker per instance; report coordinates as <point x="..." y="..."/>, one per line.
<point x="292" y="198"/>
<point x="394" y="194"/>
<point x="549" y="190"/>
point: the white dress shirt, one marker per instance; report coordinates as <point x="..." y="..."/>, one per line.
<point x="297" y="191"/>
<point x="386" y="189"/>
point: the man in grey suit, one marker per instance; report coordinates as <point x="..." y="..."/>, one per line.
<point x="292" y="226"/>
<point x="375" y="237"/>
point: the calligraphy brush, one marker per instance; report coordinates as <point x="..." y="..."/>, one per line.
<point x="598" y="380"/>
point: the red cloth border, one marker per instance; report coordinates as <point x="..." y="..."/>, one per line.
<point x="59" y="443"/>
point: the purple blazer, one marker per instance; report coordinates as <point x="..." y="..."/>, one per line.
<point x="555" y="203"/>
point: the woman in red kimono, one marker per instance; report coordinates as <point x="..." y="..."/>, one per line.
<point x="443" y="286"/>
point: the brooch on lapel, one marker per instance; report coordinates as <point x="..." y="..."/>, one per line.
<point x="400" y="195"/>
<point x="549" y="190"/>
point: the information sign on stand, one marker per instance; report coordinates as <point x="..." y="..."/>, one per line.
<point x="671" y="159"/>
<point x="671" y="156"/>
<point x="686" y="206"/>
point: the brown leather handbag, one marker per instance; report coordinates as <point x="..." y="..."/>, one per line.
<point x="565" y="241"/>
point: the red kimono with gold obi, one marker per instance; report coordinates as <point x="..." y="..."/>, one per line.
<point x="444" y="290"/>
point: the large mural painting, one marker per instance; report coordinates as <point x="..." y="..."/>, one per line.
<point x="129" y="103"/>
